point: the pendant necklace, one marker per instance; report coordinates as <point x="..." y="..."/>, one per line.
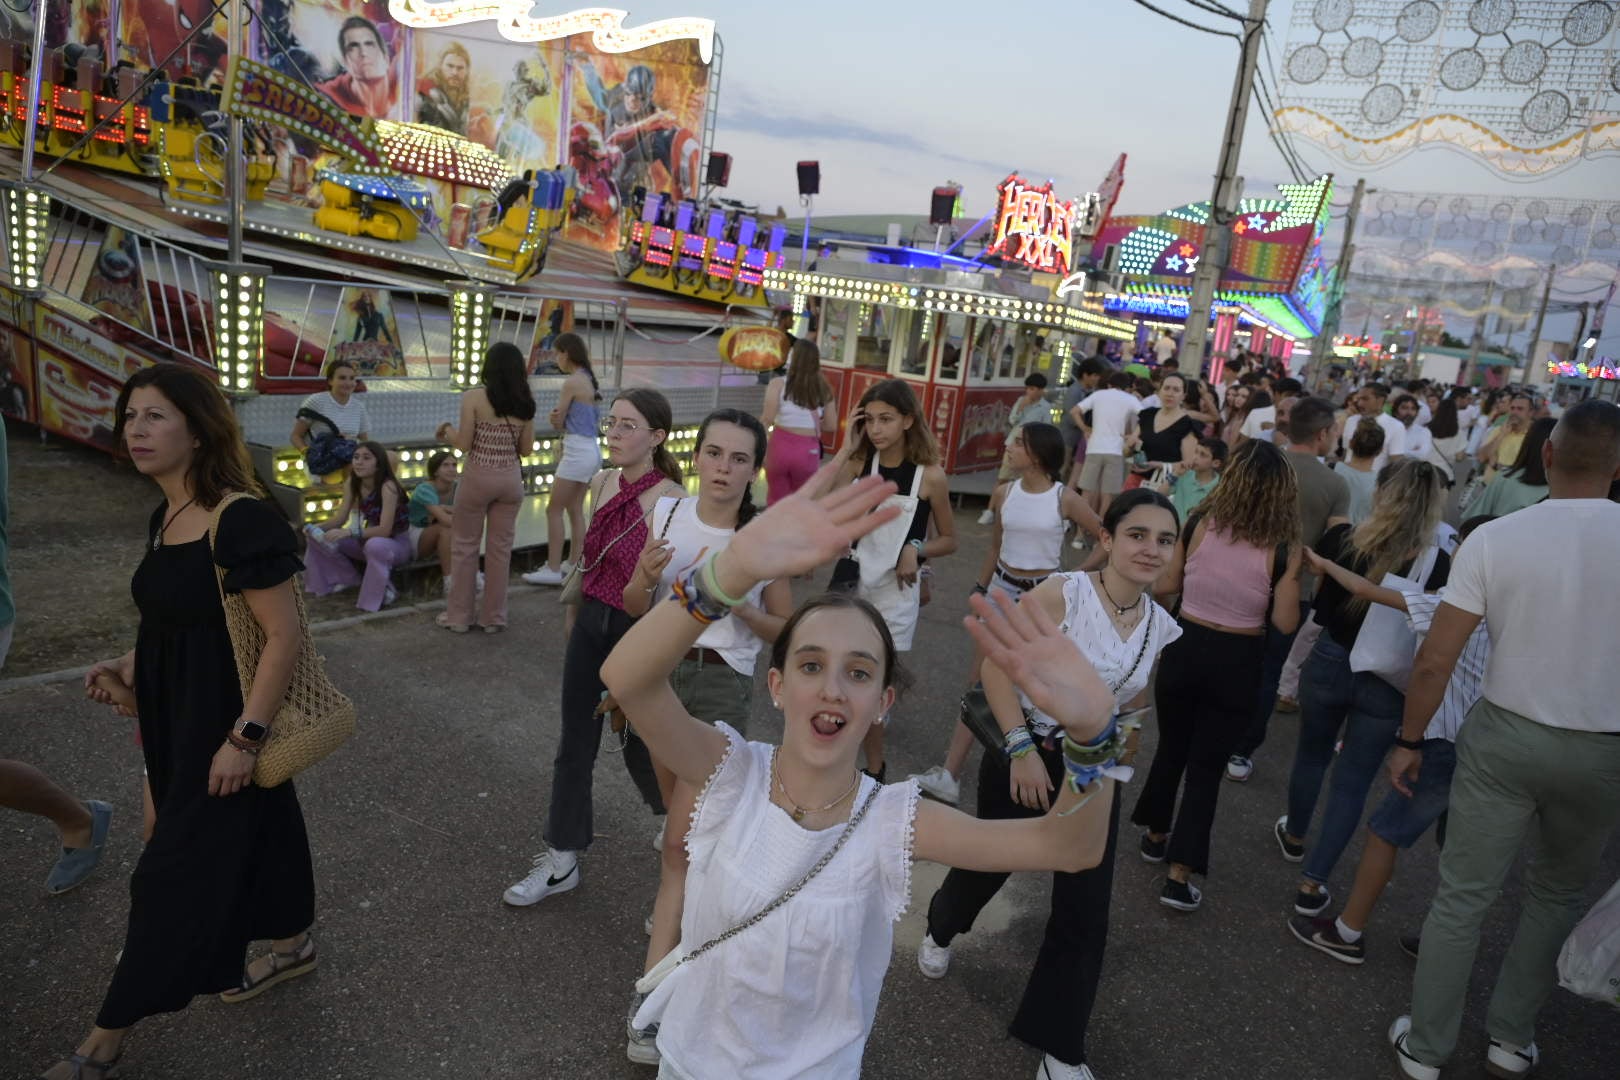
<point x="798" y="812"/>
<point x="157" y="541"/>
<point x="1132" y="606"/>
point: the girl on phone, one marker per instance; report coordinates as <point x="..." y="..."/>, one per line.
<point x="800" y="864"/>
<point x="889" y="437"/>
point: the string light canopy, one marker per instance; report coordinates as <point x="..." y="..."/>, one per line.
<point x="515" y="23"/>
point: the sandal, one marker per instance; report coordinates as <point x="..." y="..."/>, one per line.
<point x="82" y="1067"/>
<point x="283" y="966"/>
<point x="443" y="619"/>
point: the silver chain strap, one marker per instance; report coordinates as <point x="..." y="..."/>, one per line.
<point x="821" y="864"/>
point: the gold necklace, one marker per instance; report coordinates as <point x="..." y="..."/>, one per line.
<point x="798" y="812"/>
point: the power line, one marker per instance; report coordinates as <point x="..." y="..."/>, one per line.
<point x="1187" y="22"/>
<point x="1216" y="9"/>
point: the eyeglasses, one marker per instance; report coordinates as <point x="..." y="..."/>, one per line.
<point x="629" y="427"/>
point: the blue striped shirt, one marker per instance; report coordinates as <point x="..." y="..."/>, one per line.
<point x="1467" y="683"/>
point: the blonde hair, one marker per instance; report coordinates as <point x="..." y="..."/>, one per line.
<point x="1406" y="507"/>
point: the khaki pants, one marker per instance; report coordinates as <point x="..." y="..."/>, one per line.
<point x="1514" y="778"/>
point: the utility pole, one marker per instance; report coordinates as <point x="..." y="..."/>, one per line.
<point x="1467" y="376"/>
<point x="1541" y="317"/>
<point x="1223" y="203"/>
<point x="1322" y="347"/>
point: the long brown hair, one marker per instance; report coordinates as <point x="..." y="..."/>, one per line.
<point x="806" y="386"/>
<point x="921" y="446"/>
<point x="220" y="465"/>
<point x="383" y="479"/>
<point x="1257" y="500"/>
<point x="654" y="408"/>
<point x="1406" y="507"/>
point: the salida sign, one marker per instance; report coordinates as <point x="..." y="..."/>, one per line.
<point x="1033" y="227"/>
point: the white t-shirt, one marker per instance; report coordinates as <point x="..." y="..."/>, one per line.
<point x="1418" y="442"/>
<point x="1112" y="411"/>
<point x="350" y="419"/>
<point x="1164" y="349"/>
<point x="795" y="994"/>
<point x="1394" y="439"/>
<point x="1260" y="423"/>
<point x="1551" y="638"/>
<point x="688" y="536"/>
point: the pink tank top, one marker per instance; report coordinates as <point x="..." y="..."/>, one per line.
<point x="1227" y="582"/>
<point x="495" y="444"/>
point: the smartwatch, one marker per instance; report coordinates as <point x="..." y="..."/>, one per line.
<point x="252" y="731"/>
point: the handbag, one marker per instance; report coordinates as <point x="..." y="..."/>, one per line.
<point x="329" y="451"/>
<point x="977" y="717"/>
<point x="314" y="717"/>
<point x="1589" y="962"/>
<point x="1385" y="645"/>
<point x="675" y="958"/>
<point x="573" y="588"/>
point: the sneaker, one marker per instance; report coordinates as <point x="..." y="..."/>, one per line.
<point x="1410" y="943"/>
<point x="76" y="863"/>
<point x="544" y="576"/>
<point x="1154" y="850"/>
<point x="988" y="517"/>
<point x="1311" y="903"/>
<point x="938" y="784"/>
<point x="1287" y="705"/>
<point x="1181" y="895"/>
<point x="1323" y="936"/>
<point x="1409" y="1065"/>
<point x="544" y="880"/>
<point x="1239" y="768"/>
<point x="390" y="594"/>
<point x="1291" y="851"/>
<point x="1053" y="1069"/>
<point x="641" y="1045"/>
<point x="1506" y="1060"/>
<point x="658" y="839"/>
<point x="933" y="960"/>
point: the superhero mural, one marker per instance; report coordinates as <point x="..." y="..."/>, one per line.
<point x="349" y="50"/>
<point x="79" y="28"/>
<point x="636" y="121"/>
<point x="153" y="34"/>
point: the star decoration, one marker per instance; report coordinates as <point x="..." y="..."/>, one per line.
<point x="1187" y="250"/>
<point x="1192" y="264"/>
<point x="1241" y="227"/>
<point x="1257" y="221"/>
<point x="1173" y="262"/>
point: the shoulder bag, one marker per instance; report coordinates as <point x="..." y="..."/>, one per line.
<point x="1385" y="645"/>
<point x="314" y="718"/>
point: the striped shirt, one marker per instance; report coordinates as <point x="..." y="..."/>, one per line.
<point x="1467" y="683"/>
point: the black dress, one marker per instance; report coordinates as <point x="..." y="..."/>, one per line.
<point x="1165" y="445"/>
<point x="220" y="871"/>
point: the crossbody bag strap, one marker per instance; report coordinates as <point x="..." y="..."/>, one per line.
<point x="793" y="890"/>
<point x="1147" y="635"/>
<point x="219" y="582"/>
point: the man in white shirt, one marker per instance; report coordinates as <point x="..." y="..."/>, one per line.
<point x="1266" y="421"/>
<point x="1540" y="752"/>
<point x="1369" y="402"/>
<point x="1164" y="348"/>
<point x="1111" y="426"/>
<point x="1415" y="432"/>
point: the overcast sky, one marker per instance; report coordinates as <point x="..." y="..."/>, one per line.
<point x="896" y="96"/>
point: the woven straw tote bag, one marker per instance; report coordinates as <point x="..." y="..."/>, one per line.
<point x="314" y="718"/>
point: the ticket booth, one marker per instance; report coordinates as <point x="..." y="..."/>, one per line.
<point x="965" y="341"/>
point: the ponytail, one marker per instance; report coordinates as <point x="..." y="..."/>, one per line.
<point x="664" y="461"/>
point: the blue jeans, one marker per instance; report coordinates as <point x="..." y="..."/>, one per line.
<point x="1366" y="710"/>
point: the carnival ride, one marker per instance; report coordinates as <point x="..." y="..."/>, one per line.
<point x="712" y="253"/>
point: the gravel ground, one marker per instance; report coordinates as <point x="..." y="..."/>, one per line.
<point x="437" y="805"/>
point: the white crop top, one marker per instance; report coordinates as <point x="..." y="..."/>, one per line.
<point x="688" y="536"/>
<point x="1032" y="528"/>
<point x="791" y="414"/>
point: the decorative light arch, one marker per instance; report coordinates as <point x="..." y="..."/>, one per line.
<point x="515" y="21"/>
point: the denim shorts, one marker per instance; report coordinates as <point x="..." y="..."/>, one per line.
<point x="1400" y="820"/>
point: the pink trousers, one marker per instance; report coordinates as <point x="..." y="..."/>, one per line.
<point x="492" y="495"/>
<point x="790" y="461"/>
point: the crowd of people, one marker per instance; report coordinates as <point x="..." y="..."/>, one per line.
<point x="1243" y="548"/>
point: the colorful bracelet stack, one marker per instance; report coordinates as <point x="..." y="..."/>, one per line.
<point x="1085" y="762"/>
<point x="1019" y="742"/>
<point x="701" y="596"/>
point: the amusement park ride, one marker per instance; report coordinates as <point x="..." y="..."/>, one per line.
<point x="239" y="214"/>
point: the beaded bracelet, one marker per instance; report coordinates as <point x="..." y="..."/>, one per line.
<point x="1019" y="742"/>
<point x="689" y="594"/>
<point x="712" y="585"/>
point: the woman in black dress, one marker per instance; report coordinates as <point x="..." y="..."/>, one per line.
<point x="228" y="862"/>
<point x="1169" y="433"/>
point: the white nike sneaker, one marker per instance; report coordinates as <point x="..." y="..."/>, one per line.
<point x="938" y="783"/>
<point x="933" y="960"/>
<point x="1053" y="1069"/>
<point x="554" y="872"/>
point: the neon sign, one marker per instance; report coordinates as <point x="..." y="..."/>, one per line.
<point x="512" y="18"/>
<point x="1033" y="227"/>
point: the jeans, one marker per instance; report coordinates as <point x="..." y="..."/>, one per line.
<point x="1515" y="779"/>
<point x="1278" y="645"/>
<point x="710" y="692"/>
<point x="1204" y="698"/>
<point x="596" y="631"/>
<point x="1057" y="1002"/>
<point x="1336" y="702"/>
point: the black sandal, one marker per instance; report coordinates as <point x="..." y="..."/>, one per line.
<point x="283" y="966"/>
<point x="83" y="1067"/>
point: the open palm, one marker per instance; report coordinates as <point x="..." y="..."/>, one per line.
<point x="1043" y="662"/>
<point x="810" y="527"/>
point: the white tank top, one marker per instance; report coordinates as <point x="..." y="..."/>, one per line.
<point x="793" y="415"/>
<point x="730" y="637"/>
<point x="1032" y="528"/>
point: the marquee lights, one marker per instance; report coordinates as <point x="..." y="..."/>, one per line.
<point x="238" y="324"/>
<point x="27" y="213"/>
<point x="471" y="306"/>
<point x="1033" y="227"/>
<point x="512" y="19"/>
